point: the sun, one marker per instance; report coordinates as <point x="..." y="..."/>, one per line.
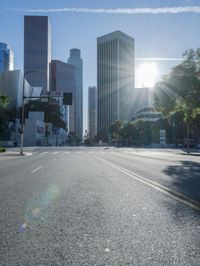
<point x="147" y="75"/>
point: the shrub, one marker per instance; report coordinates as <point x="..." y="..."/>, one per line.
<point x="2" y="149"/>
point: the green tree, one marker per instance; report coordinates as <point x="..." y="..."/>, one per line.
<point x="128" y="132"/>
<point x="4" y="100"/>
<point x="180" y="90"/>
<point x="115" y="129"/>
<point x="51" y="111"/>
<point x="102" y="135"/>
<point x="4" y="117"/>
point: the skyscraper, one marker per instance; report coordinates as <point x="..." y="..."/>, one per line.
<point x="115" y="78"/>
<point x="63" y="80"/>
<point x="75" y="59"/>
<point x="37" y="51"/>
<point x="92" y="111"/>
<point x="6" y="58"/>
<point x="62" y="77"/>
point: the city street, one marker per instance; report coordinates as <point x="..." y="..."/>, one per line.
<point x="99" y="206"/>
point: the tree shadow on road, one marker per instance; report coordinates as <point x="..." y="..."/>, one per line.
<point x="185" y="178"/>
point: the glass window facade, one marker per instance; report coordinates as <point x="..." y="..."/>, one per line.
<point x="37" y="51"/>
<point x="6" y="58"/>
<point x="115" y="78"/>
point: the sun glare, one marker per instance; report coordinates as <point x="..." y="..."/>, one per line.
<point x="147" y="75"/>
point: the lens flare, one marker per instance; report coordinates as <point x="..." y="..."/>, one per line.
<point x="37" y="207"/>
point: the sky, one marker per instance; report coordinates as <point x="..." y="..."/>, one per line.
<point x="162" y="29"/>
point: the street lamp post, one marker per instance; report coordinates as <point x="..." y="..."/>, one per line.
<point x="22" y="113"/>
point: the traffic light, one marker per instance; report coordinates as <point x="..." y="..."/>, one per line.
<point x="67" y="98"/>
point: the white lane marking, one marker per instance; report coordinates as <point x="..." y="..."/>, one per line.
<point x="55" y="152"/>
<point x="79" y="152"/>
<point x="36" y="169"/>
<point x="165" y="190"/>
<point x="43" y="153"/>
<point x="66" y="152"/>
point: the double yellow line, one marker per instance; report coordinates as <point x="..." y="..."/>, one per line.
<point x="165" y="190"/>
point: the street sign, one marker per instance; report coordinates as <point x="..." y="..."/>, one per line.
<point x="162" y="137"/>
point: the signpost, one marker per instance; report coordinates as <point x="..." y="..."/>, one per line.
<point x="163" y="137"/>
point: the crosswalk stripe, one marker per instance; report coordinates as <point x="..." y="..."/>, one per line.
<point x="43" y="153"/>
<point x="55" y="152"/>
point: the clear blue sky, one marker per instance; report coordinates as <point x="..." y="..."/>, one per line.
<point x="162" y="35"/>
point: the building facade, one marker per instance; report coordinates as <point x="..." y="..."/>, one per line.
<point x="115" y="78"/>
<point x="92" y="112"/>
<point x="6" y="58"/>
<point x="37" y="51"/>
<point x="63" y="80"/>
<point x="11" y="84"/>
<point x="77" y="62"/>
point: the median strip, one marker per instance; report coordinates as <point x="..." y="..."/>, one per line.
<point x="167" y="191"/>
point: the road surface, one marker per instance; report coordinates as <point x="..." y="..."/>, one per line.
<point x="99" y="206"/>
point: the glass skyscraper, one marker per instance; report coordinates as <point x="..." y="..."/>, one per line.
<point x="6" y="58"/>
<point x="37" y="51"/>
<point x="92" y="111"/>
<point x="63" y="80"/>
<point x="77" y="62"/>
<point x="115" y="78"/>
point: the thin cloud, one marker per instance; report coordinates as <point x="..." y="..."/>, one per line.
<point x="128" y="11"/>
<point x="158" y="59"/>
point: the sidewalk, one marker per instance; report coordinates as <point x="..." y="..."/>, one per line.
<point x="8" y="154"/>
<point x="176" y="151"/>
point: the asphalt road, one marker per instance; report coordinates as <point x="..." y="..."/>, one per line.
<point x="99" y="206"/>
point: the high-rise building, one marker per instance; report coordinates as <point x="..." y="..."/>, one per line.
<point x="37" y="51"/>
<point x="92" y="111"/>
<point x="115" y="78"/>
<point x="62" y="76"/>
<point x="63" y="80"/>
<point x="75" y="59"/>
<point x="6" y="58"/>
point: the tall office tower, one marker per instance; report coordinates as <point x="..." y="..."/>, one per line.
<point x="63" y="80"/>
<point x="6" y="58"/>
<point x="37" y="51"/>
<point x="115" y="78"/>
<point x="75" y="59"/>
<point x="92" y="111"/>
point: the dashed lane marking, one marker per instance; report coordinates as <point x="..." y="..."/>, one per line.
<point x="55" y="152"/>
<point x="43" y="153"/>
<point x="35" y="170"/>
